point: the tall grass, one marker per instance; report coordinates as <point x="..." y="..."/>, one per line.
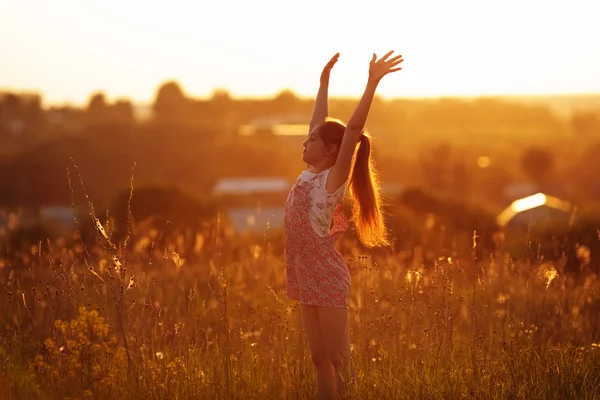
<point x="131" y="320"/>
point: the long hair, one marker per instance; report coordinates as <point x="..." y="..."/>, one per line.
<point x="364" y="188"/>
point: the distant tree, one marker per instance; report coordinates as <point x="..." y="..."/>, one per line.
<point x="435" y="166"/>
<point x="220" y="95"/>
<point x="12" y="113"/>
<point x="286" y="95"/>
<point x="537" y="163"/>
<point x="97" y="109"/>
<point x="222" y="109"/>
<point x="122" y="113"/>
<point x="170" y="104"/>
<point x="583" y="173"/>
<point x="33" y="114"/>
<point x="461" y="179"/>
<point x="492" y="183"/>
<point x="285" y="102"/>
<point x="11" y="105"/>
<point x="586" y="124"/>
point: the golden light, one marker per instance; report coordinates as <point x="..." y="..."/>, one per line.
<point x="483" y="161"/>
<point x="529" y="202"/>
<point x="66" y="57"/>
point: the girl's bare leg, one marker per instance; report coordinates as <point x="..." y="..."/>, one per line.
<point x="335" y="327"/>
<point x="326" y="381"/>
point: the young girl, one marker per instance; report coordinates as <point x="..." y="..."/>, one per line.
<point x="316" y="273"/>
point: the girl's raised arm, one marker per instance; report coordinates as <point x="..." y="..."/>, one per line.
<point x="320" y="110"/>
<point x="341" y="170"/>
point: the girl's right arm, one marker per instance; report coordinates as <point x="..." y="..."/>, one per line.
<point x="320" y="110"/>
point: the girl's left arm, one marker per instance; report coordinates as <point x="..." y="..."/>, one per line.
<point x="341" y="169"/>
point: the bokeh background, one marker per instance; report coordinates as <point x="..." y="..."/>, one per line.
<point x="147" y="148"/>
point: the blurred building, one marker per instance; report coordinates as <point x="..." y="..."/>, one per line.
<point x="58" y="220"/>
<point x="253" y="204"/>
<point x="289" y="130"/>
<point x="538" y="208"/>
<point x="258" y="186"/>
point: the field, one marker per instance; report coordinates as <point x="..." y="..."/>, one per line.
<point x="141" y="319"/>
<point x="111" y="290"/>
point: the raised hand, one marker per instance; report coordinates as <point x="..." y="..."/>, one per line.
<point x="327" y="70"/>
<point x="321" y="108"/>
<point x="380" y="68"/>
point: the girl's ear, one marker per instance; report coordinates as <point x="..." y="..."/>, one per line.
<point x="331" y="150"/>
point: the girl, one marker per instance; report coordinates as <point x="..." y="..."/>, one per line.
<point x="316" y="274"/>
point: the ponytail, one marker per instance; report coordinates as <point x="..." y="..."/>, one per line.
<point x="364" y="190"/>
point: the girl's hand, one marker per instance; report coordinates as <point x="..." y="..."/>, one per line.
<point x="382" y="67"/>
<point x="328" y="67"/>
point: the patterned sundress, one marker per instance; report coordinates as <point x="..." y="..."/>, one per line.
<point x="316" y="273"/>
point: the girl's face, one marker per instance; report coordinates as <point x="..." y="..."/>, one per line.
<point x="315" y="150"/>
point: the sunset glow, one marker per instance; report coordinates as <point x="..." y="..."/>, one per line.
<point x="238" y="200"/>
<point x="68" y="49"/>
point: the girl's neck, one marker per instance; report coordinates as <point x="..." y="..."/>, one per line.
<point x="317" y="169"/>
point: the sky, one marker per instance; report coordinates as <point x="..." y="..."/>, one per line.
<point x="68" y="49"/>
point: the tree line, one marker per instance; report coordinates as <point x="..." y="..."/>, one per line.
<point x="192" y="142"/>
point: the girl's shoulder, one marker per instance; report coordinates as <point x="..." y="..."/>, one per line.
<point x="310" y="174"/>
<point x="318" y="181"/>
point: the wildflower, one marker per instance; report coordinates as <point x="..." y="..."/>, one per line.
<point x="117" y="263"/>
<point x="82" y="343"/>
<point x="583" y="254"/>
<point x="177" y="259"/>
<point x="549" y="275"/>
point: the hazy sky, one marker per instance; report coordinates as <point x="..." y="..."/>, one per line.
<point x="66" y="49"/>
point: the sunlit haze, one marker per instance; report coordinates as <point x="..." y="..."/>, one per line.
<point x="68" y="49"/>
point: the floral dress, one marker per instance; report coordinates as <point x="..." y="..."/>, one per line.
<point x="316" y="273"/>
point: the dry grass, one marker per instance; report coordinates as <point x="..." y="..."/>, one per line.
<point x="139" y="322"/>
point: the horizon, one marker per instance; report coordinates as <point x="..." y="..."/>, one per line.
<point x="234" y="96"/>
<point x="513" y="50"/>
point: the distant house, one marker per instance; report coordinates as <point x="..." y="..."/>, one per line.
<point x="237" y="186"/>
<point x="518" y="190"/>
<point x="284" y="125"/>
<point x="59" y="217"/>
<point x="253" y="204"/>
<point x="539" y="208"/>
<point x="289" y="130"/>
<point x="56" y="218"/>
<point x="276" y="129"/>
